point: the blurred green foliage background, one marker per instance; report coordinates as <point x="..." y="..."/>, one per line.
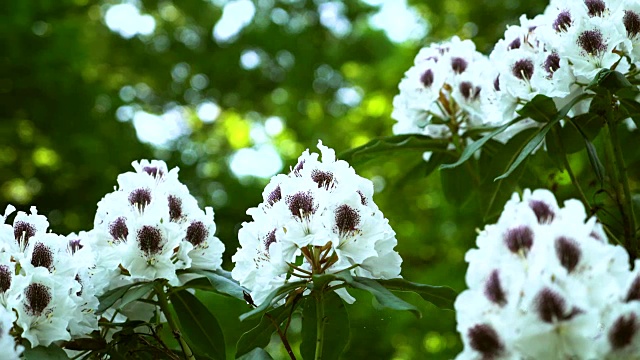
<point x="73" y="91"/>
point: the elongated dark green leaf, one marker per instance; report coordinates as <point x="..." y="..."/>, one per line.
<point x="458" y="184"/>
<point x="199" y="327"/>
<point x="495" y="193"/>
<point x="223" y="284"/>
<point x="391" y="144"/>
<point x="45" y="353"/>
<point x="110" y="297"/>
<point x="596" y="164"/>
<point x="541" y="108"/>
<point x="476" y="145"/>
<point x="631" y="107"/>
<point x="201" y="283"/>
<point x="572" y="139"/>
<point x="136" y="293"/>
<point x="610" y="80"/>
<point x="256" y="354"/>
<point x="537" y="138"/>
<point x="440" y="296"/>
<point x="266" y="304"/>
<point x="259" y="336"/>
<point x="384" y="296"/>
<point x="336" y="327"/>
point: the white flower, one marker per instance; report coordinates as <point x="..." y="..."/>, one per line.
<point x="44" y="307"/>
<point x="544" y="284"/>
<point x="151" y="226"/>
<point x="321" y="217"/>
<point x="10" y="351"/>
<point x="444" y="92"/>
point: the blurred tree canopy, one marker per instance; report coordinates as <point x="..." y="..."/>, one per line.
<point x="73" y="92"/>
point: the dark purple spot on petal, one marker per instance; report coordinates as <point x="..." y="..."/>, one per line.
<point x="427" y="78"/>
<point x="543" y="211"/>
<point x="496" y="83"/>
<point x="523" y="69"/>
<point x="459" y="65"/>
<point x="299" y="166"/>
<point x="5" y="278"/>
<point x="42" y="256"/>
<point x="595" y="7"/>
<point x="485" y="340"/>
<point x="175" y="208"/>
<point x="622" y="331"/>
<point x="275" y="196"/>
<point x="631" y="21"/>
<point x="563" y="21"/>
<point x="552" y="63"/>
<point x="23" y="231"/>
<point x="269" y="239"/>
<point x="363" y="199"/>
<point x="140" y="198"/>
<point x="468" y="91"/>
<point x="493" y="289"/>
<point x="153" y="171"/>
<point x="568" y="252"/>
<point x="519" y="239"/>
<point x="515" y="44"/>
<point x="347" y="219"/>
<point x="552" y="307"/>
<point x="322" y="178"/>
<point x="149" y="240"/>
<point x="197" y="233"/>
<point x="37" y="298"/>
<point x="118" y="229"/>
<point x="301" y="204"/>
<point x="74" y="245"/>
<point x="79" y="292"/>
<point x="592" y="42"/>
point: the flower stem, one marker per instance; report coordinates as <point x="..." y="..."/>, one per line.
<point x="624" y="199"/>
<point x="164" y="306"/>
<point x="320" y="321"/>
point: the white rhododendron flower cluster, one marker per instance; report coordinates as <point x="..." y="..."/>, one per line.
<point x="451" y="87"/>
<point x="320" y="218"/>
<point x="446" y="81"/>
<point x="46" y="282"/>
<point x="151" y="226"/>
<point x="545" y="284"/>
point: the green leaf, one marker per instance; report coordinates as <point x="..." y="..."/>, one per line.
<point x="199" y="327"/>
<point x="383" y="296"/>
<point x="136" y="293"/>
<point x="573" y="139"/>
<point x="541" y="109"/>
<point x="393" y="144"/>
<point x="260" y="335"/>
<point x="495" y="160"/>
<point x="267" y="302"/>
<point x="596" y="164"/>
<point x="45" y="353"/>
<point x="256" y="354"/>
<point x="110" y="297"/>
<point x="610" y="80"/>
<point x="223" y="284"/>
<point x="440" y="296"/>
<point x="476" y="145"/>
<point x="631" y="107"/>
<point x="336" y="327"/>
<point x="457" y="184"/>
<point x="537" y="138"/>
